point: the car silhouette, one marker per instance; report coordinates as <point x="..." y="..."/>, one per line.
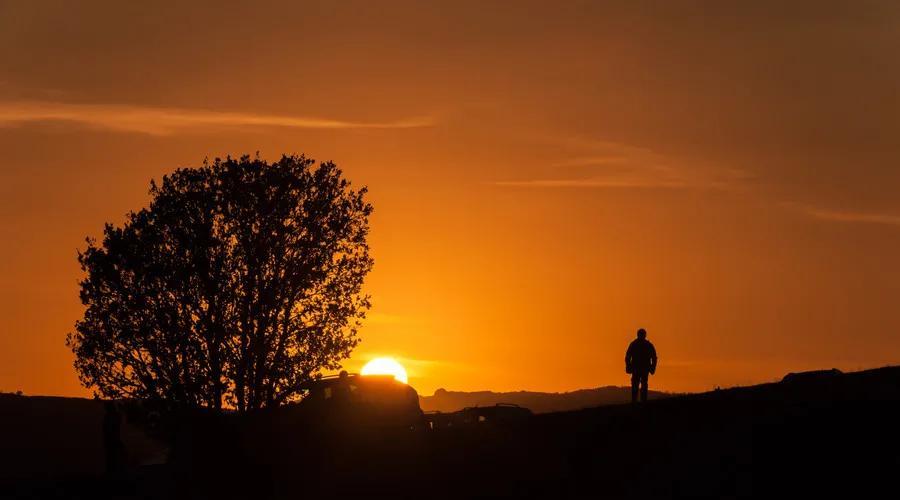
<point x="500" y="414"/>
<point x="360" y="400"/>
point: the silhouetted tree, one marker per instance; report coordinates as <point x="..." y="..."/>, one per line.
<point x="240" y="282"/>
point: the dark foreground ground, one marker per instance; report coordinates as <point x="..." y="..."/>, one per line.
<point x="835" y="435"/>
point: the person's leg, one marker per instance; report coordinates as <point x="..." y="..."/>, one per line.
<point x="635" y="380"/>
<point x="644" y="378"/>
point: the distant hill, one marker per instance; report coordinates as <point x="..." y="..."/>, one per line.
<point x="538" y="402"/>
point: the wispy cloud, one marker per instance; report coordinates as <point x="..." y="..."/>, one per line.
<point x="612" y="165"/>
<point x="592" y="161"/>
<point x="378" y="318"/>
<point x="849" y="216"/>
<point x="166" y="121"/>
<point x="598" y="182"/>
<point x="415" y="367"/>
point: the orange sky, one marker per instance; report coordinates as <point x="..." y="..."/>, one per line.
<point x="547" y="176"/>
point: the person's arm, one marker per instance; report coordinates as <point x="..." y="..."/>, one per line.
<point x="628" y="358"/>
<point x="652" y="359"/>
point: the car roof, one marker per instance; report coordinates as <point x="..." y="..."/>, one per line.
<point x="355" y="378"/>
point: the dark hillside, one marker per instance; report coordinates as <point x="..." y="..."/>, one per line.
<point x="833" y="434"/>
<point x="55" y="438"/>
<point x="49" y="437"/>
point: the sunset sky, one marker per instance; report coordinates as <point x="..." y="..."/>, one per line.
<point x="547" y="176"/>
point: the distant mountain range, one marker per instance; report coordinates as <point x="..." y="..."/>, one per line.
<point x="538" y="402"/>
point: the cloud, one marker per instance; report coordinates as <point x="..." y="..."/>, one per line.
<point x="849" y="216"/>
<point x="166" y="121"/>
<point x="592" y="161"/>
<point x="621" y="166"/>
<point x="414" y="367"/>
<point x="378" y="318"/>
<point x="636" y="181"/>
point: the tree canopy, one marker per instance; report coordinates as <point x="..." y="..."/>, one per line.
<point x="239" y="283"/>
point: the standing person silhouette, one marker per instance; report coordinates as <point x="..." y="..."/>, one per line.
<point x="640" y="362"/>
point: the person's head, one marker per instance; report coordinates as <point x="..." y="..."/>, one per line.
<point x="343" y="375"/>
<point x="641" y="334"/>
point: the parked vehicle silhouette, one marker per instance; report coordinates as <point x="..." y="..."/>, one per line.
<point x="361" y="400"/>
<point x="500" y="414"/>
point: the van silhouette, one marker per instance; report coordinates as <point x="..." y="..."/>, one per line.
<point x="361" y="400"/>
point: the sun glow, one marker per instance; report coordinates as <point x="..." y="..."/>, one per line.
<point x="386" y="366"/>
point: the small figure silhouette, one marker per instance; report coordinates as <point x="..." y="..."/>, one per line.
<point x="640" y="362"/>
<point x="342" y="391"/>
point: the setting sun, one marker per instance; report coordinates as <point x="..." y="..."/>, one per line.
<point x="386" y="366"/>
